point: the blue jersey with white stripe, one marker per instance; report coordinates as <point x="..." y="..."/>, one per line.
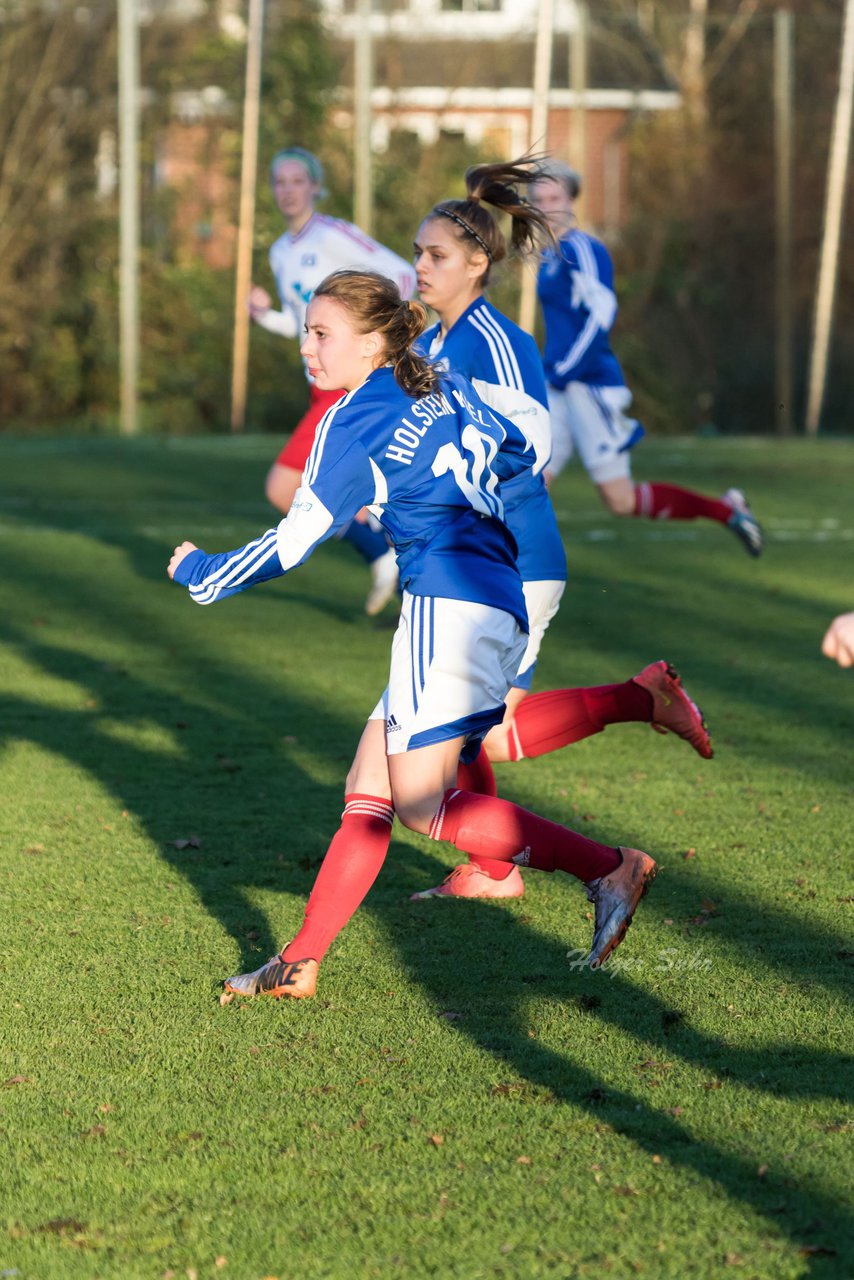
<point x="430" y="469"/>
<point x="503" y="364"/>
<point x="575" y="286"/>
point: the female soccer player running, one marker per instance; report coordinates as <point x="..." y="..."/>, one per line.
<point x="588" y="398"/>
<point x="428" y="456"/>
<point x="455" y="249"/>
<point x="313" y="246"/>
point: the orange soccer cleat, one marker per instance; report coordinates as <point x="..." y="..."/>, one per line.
<point x="469" y="881"/>
<point x="673" y="711"/>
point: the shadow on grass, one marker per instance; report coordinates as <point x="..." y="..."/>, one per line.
<point x="224" y="884"/>
<point x="517" y="962"/>
<point x="250" y="805"/>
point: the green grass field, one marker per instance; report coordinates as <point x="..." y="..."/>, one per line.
<point x="461" y="1099"/>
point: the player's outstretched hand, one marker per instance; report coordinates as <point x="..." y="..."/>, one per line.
<point x="838" y="642"/>
<point x="178" y="555"/>
<point x="259" y="301"/>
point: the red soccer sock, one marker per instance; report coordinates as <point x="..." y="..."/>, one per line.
<point x="669" y="502"/>
<point x="477" y="776"/>
<point x="351" y="866"/>
<point x="489" y="827"/>
<point x="545" y="722"/>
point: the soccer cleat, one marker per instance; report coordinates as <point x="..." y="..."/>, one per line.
<point x="672" y="710"/>
<point x="469" y="881"/>
<point x="277" y="978"/>
<point x="743" y="522"/>
<point x="615" y="898"/>
<point x="385" y="575"/>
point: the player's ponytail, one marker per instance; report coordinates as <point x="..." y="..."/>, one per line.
<point x="497" y="185"/>
<point x="374" y="305"/>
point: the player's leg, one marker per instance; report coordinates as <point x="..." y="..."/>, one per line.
<point x="351" y="865"/>
<point x="466" y="669"/>
<point x="545" y="722"/>
<point x="539" y="723"/>
<point x="488" y="827"/>
<point x="604" y="435"/>
<point x="491" y="879"/>
<point x="561" y="427"/>
<point x="285" y="475"/>
<point x="536" y="724"/>
<point x="422" y="684"/>
<point x="671" y="502"/>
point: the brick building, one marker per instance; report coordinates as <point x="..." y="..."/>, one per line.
<point x="466" y="67"/>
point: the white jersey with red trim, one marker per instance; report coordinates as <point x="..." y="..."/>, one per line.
<point x="299" y="261"/>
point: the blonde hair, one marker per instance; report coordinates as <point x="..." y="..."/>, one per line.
<point x="497" y="185"/>
<point x="374" y="305"/>
<point x="557" y="171"/>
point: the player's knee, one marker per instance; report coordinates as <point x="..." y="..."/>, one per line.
<point x="417" y="815"/>
<point x="619" y="499"/>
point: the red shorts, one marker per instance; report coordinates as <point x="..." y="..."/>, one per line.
<point x="295" y="452"/>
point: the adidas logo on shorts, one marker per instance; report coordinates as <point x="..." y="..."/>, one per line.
<point x="391" y="725"/>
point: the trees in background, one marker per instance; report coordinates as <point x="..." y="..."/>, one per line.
<point x="694" y="262"/>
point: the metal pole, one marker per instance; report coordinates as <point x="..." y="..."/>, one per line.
<point x="834" y="204"/>
<point x="248" y="176"/>
<point x="538" y="135"/>
<point x="128" y="74"/>
<point x="578" y="63"/>
<point x="363" y="185"/>
<point x="783" y="115"/>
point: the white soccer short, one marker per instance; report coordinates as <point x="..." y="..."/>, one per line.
<point x="452" y="664"/>
<point x="542" y="600"/>
<point x="593" y="421"/>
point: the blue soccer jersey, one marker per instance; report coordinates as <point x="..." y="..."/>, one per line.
<point x="430" y="469"/>
<point x="575" y="286"/>
<point x="503" y="364"/>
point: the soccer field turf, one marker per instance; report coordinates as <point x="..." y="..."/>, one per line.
<point x="461" y="1099"/>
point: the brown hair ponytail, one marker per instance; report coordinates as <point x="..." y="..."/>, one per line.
<point x="375" y="306"/>
<point x="497" y="185"/>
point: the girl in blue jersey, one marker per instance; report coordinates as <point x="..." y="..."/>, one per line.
<point x="428" y="457"/>
<point x="455" y="249"/>
<point x="588" y="398"/>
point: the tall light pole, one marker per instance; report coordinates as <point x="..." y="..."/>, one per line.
<point x="363" y="76"/>
<point x="837" y="167"/>
<point x="128" y="75"/>
<point x="539" y="134"/>
<point x="578" y="68"/>
<point x="248" y="176"/>
<point x="783" y="114"/>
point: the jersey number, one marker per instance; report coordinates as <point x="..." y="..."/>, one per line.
<point x="469" y="470"/>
